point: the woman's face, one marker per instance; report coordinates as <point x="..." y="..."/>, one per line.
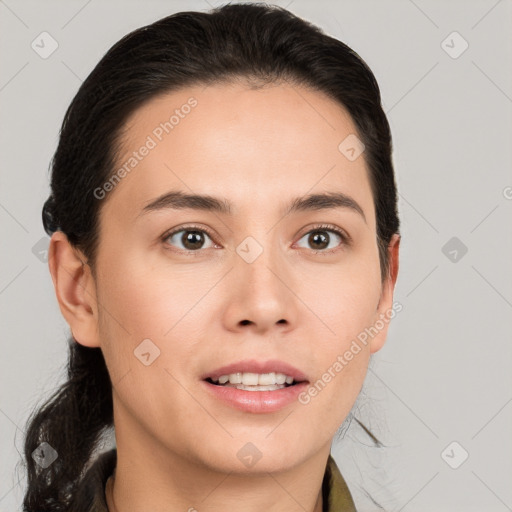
<point x="256" y="283"/>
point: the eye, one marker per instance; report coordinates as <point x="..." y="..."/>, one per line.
<point x="191" y="238"/>
<point x="321" y="240"/>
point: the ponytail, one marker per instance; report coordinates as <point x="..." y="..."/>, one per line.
<point x="63" y="433"/>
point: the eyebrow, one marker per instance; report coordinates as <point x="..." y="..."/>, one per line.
<point x="179" y="200"/>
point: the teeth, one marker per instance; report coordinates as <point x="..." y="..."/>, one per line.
<point x="272" y="387"/>
<point x="255" y="379"/>
<point x="235" y="378"/>
<point x="248" y="379"/>
<point x="281" y="378"/>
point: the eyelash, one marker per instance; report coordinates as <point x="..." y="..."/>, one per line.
<point x="346" y="239"/>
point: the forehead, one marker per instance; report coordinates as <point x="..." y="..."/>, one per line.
<point x="255" y="146"/>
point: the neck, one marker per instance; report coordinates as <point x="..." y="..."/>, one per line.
<point x="146" y="478"/>
<point x="111" y="504"/>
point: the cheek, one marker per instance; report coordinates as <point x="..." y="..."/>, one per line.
<point x="146" y="298"/>
<point x="141" y="304"/>
<point x="344" y="299"/>
<point x="344" y="296"/>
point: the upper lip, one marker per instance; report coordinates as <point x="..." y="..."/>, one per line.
<point x="253" y="366"/>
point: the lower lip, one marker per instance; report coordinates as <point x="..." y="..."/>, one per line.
<point x="256" y="401"/>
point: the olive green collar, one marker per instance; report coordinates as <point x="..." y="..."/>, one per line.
<point x="336" y="494"/>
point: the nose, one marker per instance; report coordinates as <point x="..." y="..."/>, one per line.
<point x="262" y="294"/>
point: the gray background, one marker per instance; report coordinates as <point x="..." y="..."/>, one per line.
<point x="444" y="373"/>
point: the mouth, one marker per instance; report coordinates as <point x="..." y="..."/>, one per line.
<point x="251" y="375"/>
<point x="255" y="393"/>
<point x="230" y="381"/>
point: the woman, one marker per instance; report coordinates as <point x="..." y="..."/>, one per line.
<point x="224" y="249"/>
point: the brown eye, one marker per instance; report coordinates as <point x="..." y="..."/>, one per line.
<point x="191" y="239"/>
<point x="319" y="239"/>
<point x="323" y="239"/>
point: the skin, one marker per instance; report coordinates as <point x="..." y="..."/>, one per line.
<point x="177" y="446"/>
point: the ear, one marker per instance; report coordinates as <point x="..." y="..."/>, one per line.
<point x="385" y="310"/>
<point x="75" y="289"/>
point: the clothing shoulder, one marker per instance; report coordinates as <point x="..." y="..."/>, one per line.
<point x="337" y="497"/>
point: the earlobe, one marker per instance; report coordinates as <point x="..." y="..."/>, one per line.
<point x="75" y="289"/>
